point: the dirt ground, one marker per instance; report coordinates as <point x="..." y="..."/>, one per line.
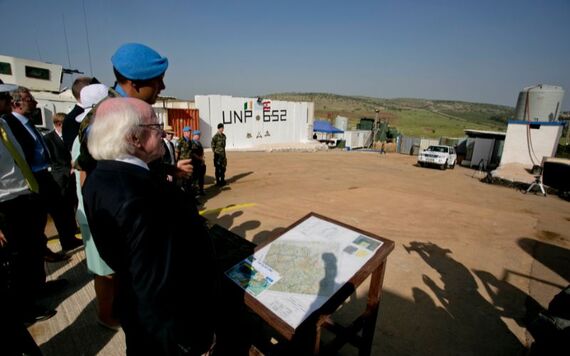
<point x="472" y="261"/>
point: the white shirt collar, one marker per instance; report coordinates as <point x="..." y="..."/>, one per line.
<point x="24" y="120"/>
<point x="133" y="160"/>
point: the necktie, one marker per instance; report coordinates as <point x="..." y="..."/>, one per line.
<point x="20" y="161"/>
<point x="40" y="138"/>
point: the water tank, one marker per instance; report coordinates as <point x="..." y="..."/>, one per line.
<point x="539" y="103"/>
<point x="341" y="122"/>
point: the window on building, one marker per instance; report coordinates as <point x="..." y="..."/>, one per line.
<point x="37" y="73"/>
<point x="534" y="126"/>
<point x="5" y="68"/>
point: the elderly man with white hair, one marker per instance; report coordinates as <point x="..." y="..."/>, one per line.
<point x="166" y="272"/>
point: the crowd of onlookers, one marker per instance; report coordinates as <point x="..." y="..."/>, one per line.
<point x="111" y="171"/>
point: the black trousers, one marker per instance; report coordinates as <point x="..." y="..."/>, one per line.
<point x="198" y="173"/>
<point x="220" y="164"/>
<point x="61" y="212"/>
<point x="25" y="219"/>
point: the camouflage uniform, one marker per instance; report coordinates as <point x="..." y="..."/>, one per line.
<point x="184" y="152"/>
<point x="198" y="165"/>
<point x="184" y="148"/>
<point x="220" y="161"/>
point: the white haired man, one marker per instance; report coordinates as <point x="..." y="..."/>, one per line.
<point x="125" y="203"/>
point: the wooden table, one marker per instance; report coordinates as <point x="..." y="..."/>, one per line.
<point x="306" y="338"/>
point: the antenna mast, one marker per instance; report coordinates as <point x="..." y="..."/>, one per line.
<point x="66" y="40"/>
<point x="87" y="35"/>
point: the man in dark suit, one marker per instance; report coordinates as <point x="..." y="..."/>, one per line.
<point x="70" y="127"/>
<point x="22" y="274"/>
<point x="169" y="156"/>
<point x="61" y="162"/>
<point x="125" y="206"/>
<point x="38" y="158"/>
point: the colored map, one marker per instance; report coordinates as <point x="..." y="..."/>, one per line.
<point x="304" y="267"/>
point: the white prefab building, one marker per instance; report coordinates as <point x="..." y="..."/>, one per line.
<point x="252" y="122"/>
<point x="357" y="139"/>
<point x="528" y="142"/>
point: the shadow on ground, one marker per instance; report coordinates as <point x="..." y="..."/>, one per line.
<point x="82" y="337"/>
<point x="556" y="258"/>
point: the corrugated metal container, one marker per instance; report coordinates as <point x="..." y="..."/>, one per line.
<point x="539" y="103"/>
<point x="407" y="144"/>
<point x="179" y="118"/>
<point x="426" y="142"/>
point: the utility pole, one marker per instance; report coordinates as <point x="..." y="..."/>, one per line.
<point x="375" y="128"/>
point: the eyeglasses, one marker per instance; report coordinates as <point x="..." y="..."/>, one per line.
<point x="27" y="99"/>
<point x="158" y="127"/>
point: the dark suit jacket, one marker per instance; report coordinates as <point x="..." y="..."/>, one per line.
<point x="60" y="157"/>
<point x="70" y="128"/>
<point x="151" y="235"/>
<point x="23" y="136"/>
<point x="166" y="158"/>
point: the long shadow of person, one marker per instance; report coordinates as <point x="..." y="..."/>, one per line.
<point x="321" y="306"/>
<point x="77" y="278"/>
<point x="509" y="301"/>
<point x="552" y="256"/>
<point x="214" y="190"/>
<point x="81" y="337"/>
<point x="306" y="333"/>
<point x="478" y="323"/>
<point x="263" y="236"/>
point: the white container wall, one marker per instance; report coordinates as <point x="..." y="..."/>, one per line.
<point x="357" y="138"/>
<point x="529" y="143"/>
<point x="341" y="122"/>
<point x="249" y="123"/>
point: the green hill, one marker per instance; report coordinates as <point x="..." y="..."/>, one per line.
<point x="412" y="117"/>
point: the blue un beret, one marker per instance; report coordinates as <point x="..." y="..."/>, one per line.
<point x="186" y="129"/>
<point x="136" y="61"/>
<point x="197" y="132"/>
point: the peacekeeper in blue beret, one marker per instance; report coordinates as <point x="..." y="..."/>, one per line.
<point x="139" y="73"/>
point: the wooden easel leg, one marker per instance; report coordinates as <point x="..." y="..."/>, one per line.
<point x="371" y="313"/>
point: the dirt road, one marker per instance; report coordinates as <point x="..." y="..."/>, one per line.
<point x="469" y="259"/>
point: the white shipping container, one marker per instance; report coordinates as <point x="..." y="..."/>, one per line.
<point x="251" y="122"/>
<point x="357" y="138"/>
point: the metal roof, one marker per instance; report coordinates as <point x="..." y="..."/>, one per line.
<point x="480" y="133"/>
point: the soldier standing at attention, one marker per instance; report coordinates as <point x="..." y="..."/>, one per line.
<point x="220" y="161"/>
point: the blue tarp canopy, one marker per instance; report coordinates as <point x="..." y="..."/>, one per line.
<point x="325" y="126"/>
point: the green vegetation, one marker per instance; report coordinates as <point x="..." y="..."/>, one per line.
<point x="412" y="117"/>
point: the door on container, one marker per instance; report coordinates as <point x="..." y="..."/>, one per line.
<point x="482" y="152"/>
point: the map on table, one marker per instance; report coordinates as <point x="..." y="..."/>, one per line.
<point x="299" y="271"/>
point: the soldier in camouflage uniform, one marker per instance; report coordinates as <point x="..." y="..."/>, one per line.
<point x="183" y="151"/>
<point x="220" y="161"/>
<point x="198" y="163"/>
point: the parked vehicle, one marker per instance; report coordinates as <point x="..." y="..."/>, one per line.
<point x="442" y="156"/>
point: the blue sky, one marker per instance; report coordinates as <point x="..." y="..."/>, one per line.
<point x="480" y="51"/>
